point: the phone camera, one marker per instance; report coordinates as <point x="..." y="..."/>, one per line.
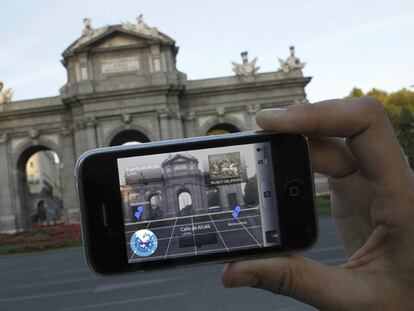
<point x="294" y="189"/>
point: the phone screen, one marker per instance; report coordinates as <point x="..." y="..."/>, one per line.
<point x="197" y="202"/>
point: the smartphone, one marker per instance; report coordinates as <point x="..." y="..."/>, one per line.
<point x="196" y="200"/>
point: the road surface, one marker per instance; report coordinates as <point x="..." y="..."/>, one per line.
<point x="60" y="280"/>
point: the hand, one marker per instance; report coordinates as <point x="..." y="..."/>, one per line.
<point x="372" y="203"/>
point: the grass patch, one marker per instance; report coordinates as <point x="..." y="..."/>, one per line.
<point x="40" y="238"/>
<point x="323" y="206"/>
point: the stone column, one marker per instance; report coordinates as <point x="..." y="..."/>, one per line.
<point x="163" y="116"/>
<point x="91" y="137"/>
<point x="155" y="60"/>
<point x="172" y="209"/>
<point x="85" y="85"/>
<point x="70" y="203"/>
<point x="189" y="124"/>
<point x="7" y="215"/>
<point x="80" y="139"/>
<point x="176" y="124"/>
<point x="199" y="201"/>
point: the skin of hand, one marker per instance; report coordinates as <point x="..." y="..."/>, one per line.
<point x="372" y="202"/>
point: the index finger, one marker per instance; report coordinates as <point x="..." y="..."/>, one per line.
<point x="363" y="121"/>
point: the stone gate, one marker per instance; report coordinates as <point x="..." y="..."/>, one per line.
<point x="123" y="85"/>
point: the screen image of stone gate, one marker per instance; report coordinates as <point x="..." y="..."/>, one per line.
<point x="176" y="188"/>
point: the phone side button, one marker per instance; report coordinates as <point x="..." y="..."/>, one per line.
<point x="266" y="192"/>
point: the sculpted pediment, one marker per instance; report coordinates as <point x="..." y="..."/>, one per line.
<point x="117" y="36"/>
<point x="179" y="159"/>
<point x="119" y="40"/>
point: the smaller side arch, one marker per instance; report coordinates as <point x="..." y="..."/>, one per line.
<point x="222" y="128"/>
<point x="203" y="130"/>
<point x="21" y="154"/>
<point x="31" y="146"/>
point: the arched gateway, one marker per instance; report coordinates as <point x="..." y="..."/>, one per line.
<point x="123" y="85"/>
<point x="31" y="203"/>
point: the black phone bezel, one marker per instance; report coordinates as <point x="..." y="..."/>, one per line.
<point x="98" y="185"/>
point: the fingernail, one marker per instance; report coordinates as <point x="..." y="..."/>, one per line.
<point x="271" y="111"/>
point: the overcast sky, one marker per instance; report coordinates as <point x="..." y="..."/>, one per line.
<point x="344" y="44"/>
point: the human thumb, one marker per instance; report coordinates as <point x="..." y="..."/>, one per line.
<point x="319" y="285"/>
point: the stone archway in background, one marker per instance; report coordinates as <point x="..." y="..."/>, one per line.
<point x="128" y="137"/>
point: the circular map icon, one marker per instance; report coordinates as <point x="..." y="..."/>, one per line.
<point x="144" y="243"/>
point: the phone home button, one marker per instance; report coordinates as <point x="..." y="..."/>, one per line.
<point x="294" y="189"/>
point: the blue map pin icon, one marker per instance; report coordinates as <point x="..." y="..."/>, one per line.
<point x="236" y="211"/>
<point x="139" y="212"/>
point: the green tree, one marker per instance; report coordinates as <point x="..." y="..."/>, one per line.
<point x="400" y="108"/>
<point x="401" y="98"/>
<point x="405" y="131"/>
<point x="380" y="94"/>
<point x="356" y="92"/>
